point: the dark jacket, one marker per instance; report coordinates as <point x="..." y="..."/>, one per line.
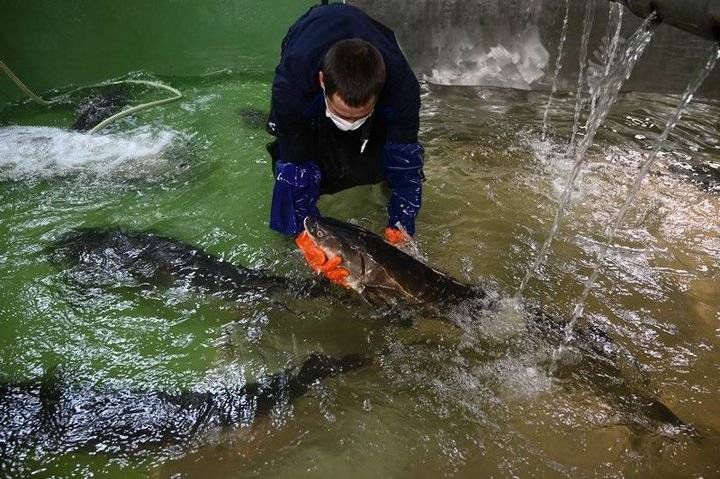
<point x="297" y="119"/>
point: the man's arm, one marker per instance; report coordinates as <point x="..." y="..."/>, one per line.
<point x="295" y="195"/>
<point x="403" y="158"/>
<point x="403" y="163"/>
<point x="297" y="175"/>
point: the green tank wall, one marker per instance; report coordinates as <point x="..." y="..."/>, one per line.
<point x="52" y="44"/>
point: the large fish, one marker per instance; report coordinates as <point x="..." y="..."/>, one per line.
<point x="382" y="272"/>
<point x="378" y="270"/>
<point x="113" y="256"/>
<point x="55" y="416"/>
<point x="386" y="275"/>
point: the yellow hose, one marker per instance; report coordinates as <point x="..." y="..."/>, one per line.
<point x="21" y="85"/>
<point x="176" y="96"/>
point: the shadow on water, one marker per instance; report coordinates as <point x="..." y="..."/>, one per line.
<point x="253" y="117"/>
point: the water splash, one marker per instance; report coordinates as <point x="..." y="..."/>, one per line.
<point x="29" y="152"/>
<point x="606" y="94"/>
<point x="635" y="188"/>
<point x="558" y="67"/>
<point x="514" y="62"/>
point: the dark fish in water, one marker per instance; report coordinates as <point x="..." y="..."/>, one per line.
<point x="58" y="417"/>
<point x="382" y="273"/>
<point x="97" y="108"/>
<point x="149" y="259"/>
<point x="253" y="118"/>
<point x="705" y="175"/>
<point x="377" y="269"/>
<point x="635" y="408"/>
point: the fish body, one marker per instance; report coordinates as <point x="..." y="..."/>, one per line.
<point x="56" y="416"/>
<point x="383" y="273"/>
<point x="95" y="109"/>
<point x="112" y="255"/>
<point x="380" y="271"/>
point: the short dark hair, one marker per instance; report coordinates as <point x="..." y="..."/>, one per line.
<point x="355" y="70"/>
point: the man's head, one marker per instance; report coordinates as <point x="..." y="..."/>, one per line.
<point x="353" y="75"/>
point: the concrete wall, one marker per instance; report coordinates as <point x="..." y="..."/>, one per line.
<point x="513" y="43"/>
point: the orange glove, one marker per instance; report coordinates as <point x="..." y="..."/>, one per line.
<point x="320" y="263"/>
<point x="396" y="236"/>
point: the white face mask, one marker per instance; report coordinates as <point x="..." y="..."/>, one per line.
<point x="342" y="123"/>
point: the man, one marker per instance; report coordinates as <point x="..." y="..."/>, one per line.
<point x="345" y="112"/>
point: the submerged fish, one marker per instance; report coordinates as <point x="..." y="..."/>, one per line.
<point x="58" y="417"/>
<point x="100" y="256"/>
<point x="378" y="270"/>
<point x="97" y="108"/>
<point x="631" y="403"/>
<point x="382" y="272"/>
<point x="705" y="174"/>
<point x="253" y="118"/>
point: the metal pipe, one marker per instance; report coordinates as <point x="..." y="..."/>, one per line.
<point x="699" y="17"/>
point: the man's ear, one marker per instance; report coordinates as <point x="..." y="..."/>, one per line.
<point x="321" y="77"/>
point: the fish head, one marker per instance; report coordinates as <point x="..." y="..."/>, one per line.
<point x="336" y="238"/>
<point x="380" y="272"/>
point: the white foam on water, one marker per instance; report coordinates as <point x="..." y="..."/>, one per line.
<point x="551" y="155"/>
<point x="506" y="320"/>
<point x="31" y="152"/>
<point x="201" y="103"/>
<point x="523" y="376"/>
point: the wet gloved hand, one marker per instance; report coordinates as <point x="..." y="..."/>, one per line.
<point x="396" y="236"/>
<point x="315" y="256"/>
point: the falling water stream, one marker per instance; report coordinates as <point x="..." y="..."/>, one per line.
<point x="615" y="16"/>
<point x="606" y="94"/>
<point x="579" y="98"/>
<point x="558" y="66"/>
<point x="635" y="188"/>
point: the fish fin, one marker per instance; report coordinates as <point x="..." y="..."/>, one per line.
<point x="378" y="295"/>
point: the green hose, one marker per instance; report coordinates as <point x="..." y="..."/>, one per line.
<point x="129" y="111"/>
